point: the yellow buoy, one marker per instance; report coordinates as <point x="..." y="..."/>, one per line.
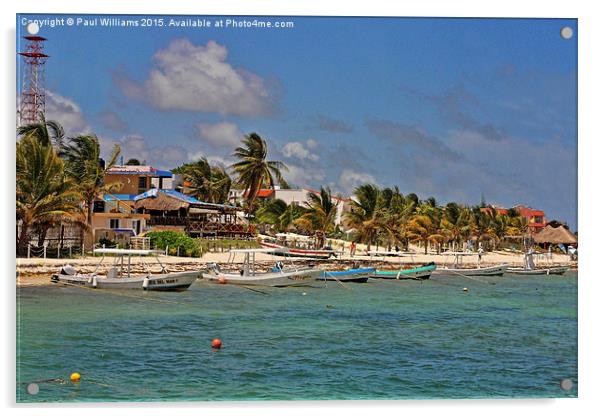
<point x="75" y="377"/>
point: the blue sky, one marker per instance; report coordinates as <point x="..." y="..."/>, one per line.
<point x="450" y="108"/>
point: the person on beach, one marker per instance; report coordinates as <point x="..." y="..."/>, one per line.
<point x="352" y="249"/>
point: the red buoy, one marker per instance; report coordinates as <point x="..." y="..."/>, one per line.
<point x="216" y="344"/>
<point x="222" y="280"/>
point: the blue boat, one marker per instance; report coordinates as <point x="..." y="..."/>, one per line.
<point x="360" y="275"/>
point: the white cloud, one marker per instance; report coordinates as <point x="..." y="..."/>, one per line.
<point x="198" y="78"/>
<point x="213" y="159"/>
<point x="222" y="134"/>
<point x="300" y="176"/>
<point x="311" y="144"/>
<point x="300" y="151"/>
<point x="135" y="146"/>
<point x="67" y="113"/>
<point x="349" y="179"/>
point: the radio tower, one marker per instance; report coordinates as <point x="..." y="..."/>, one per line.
<point x="33" y="93"/>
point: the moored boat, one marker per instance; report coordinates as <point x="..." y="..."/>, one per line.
<point x="356" y="275"/>
<point x="416" y="273"/>
<point x="121" y="277"/>
<point x="530" y="268"/>
<point x="298" y="252"/>
<point x="538" y="272"/>
<point x="278" y="276"/>
<point x="456" y="269"/>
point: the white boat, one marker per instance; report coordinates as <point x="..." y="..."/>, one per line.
<point x="322" y="254"/>
<point x="278" y="276"/>
<point x="456" y="267"/>
<point x="531" y="269"/>
<point x="539" y="272"/>
<point x="120" y="277"/>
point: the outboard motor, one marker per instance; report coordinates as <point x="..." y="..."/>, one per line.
<point x="68" y="270"/>
<point x="214" y="268"/>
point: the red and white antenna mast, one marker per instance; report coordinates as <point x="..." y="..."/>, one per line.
<point x="33" y="90"/>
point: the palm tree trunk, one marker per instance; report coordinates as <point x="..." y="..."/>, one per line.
<point x="42" y="236"/>
<point x="426" y="247"/>
<point x="22" y="238"/>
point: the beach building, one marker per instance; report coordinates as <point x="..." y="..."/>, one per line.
<point x="557" y="233"/>
<point x="535" y="217"/>
<point x="296" y="196"/>
<point x="114" y="216"/>
<point x="172" y="210"/>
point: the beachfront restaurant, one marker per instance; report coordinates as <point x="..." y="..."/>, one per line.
<point x="173" y="210"/>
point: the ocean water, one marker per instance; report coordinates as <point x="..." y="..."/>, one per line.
<point x="379" y="340"/>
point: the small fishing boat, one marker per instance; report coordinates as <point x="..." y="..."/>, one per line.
<point x="283" y="250"/>
<point x="278" y="276"/>
<point x="416" y="273"/>
<point x="120" y="276"/>
<point x="530" y="269"/>
<point x="457" y="269"/>
<point x="539" y="272"/>
<point x="356" y="275"/>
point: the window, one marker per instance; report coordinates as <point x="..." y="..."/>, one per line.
<point x="99" y="206"/>
<point x="114" y="223"/>
<point x="142" y="182"/>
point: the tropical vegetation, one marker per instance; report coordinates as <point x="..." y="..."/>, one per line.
<point x="58" y="179"/>
<point x="253" y="170"/>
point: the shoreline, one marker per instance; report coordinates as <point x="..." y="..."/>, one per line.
<point x="37" y="272"/>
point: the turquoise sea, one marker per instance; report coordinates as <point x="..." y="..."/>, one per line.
<point x="379" y="340"/>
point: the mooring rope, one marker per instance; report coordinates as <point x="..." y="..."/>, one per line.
<point x="334" y="277"/>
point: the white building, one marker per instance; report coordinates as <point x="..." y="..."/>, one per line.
<point x="295" y="196"/>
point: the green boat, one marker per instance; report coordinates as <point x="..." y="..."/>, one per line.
<point x="417" y="273"/>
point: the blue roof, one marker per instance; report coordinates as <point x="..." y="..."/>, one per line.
<point x="152" y="193"/>
<point x="120" y="197"/>
<point x="164" y="173"/>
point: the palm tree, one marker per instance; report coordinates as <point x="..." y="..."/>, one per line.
<point x="46" y="131"/>
<point x="455" y="223"/>
<point x="481" y="223"/>
<point x="320" y="215"/>
<point x="82" y="164"/>
<point x="253" y="168"/>
<point x="422" y="228"/>
<point x="425" y="224"/>
<point x="43" y="193"/>
<point x="205" y="182"/>
<point x="277" y="213"/>
<point x="361" y="216"/>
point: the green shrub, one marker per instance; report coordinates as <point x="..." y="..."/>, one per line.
<point x="189" y="247"/>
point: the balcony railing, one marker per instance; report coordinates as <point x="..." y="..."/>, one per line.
<point x="198" y="226"/>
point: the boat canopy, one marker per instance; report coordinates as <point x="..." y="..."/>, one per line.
<point x="126" y="252"/>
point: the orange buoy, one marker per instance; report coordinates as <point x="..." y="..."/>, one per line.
<point x="222" y="280"/>
<point x="75" y="377"/>
<point x="216" y="344"/>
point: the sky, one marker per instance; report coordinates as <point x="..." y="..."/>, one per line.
<point x="458" y="109"/>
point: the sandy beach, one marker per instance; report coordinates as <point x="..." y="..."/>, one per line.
<point x="37" y="271"/>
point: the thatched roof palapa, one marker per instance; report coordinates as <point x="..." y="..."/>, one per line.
<point x="555" y="235"/>
<point x="161" y="202"/>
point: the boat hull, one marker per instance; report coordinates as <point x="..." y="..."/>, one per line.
<point x="351" y="275"/>
<point x="417" y="273"/>
<point x="497" y="270"/>
<point x="163" y="282"/>
<point x="299" y="277"/>
<point x="538" y="272"/>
